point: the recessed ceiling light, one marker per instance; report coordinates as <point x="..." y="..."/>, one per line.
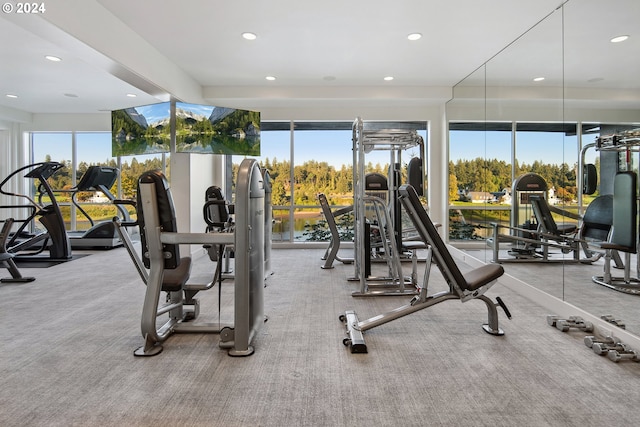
<point x="388" y="78"/>
<point x="619" y="39"/>
<point x="53" y="58"/>
<point x="70" y="95"/>
<point x="270" y="78"/>
<point x="249" y="36"/>
<point x="414" y="36"/>
<point x="10" y="95"/>
<point x="538" y="79"/>
<point x="132" y="95"/>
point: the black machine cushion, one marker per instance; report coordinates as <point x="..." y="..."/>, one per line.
<point x="415" y="175"/>
<point x="625" y="211"/>
<point x="174" y="280"/>
<point x="470" y="281"/>
<point x="166" y="213"/>
<point x="540" y="204"/>
<point x="375" y="182"/>
<point x="598" y="218"/>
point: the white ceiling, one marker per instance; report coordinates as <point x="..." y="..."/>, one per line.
<point x="328" y="53"/>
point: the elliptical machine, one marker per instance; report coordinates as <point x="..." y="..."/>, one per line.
<point x="24" y="243"/>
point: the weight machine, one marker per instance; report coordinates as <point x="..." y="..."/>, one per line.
<point x="164" y="270"/>
<point x="624" y="237"/>
<point x="367" y="137"/>
<point x="533" y="231"/>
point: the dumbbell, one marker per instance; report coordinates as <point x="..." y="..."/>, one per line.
<point x="572" y="322"/>
<point x="590" y="340"/>
<point x="609" y="318"/>
<point x="603" y="348"/>
<point x="617" y="356"/>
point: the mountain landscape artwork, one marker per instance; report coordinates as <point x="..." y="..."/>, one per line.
<point x="217" y="130"/>
<point x="141" y="130"/>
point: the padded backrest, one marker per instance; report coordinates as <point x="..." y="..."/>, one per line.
<point x="429" y="234"/>
<point x="415" y="175"/>
<point x="598" y="218"/>
<point x="589" y="179"/>
<point x="543" y="213"/>
<point x="166" y="214"/>
<point x="375" y="182"/>
<point x="625" y="210"/>
<point x="216" y="211"/>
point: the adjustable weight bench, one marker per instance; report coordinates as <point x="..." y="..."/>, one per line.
<point x="464" y="287"/>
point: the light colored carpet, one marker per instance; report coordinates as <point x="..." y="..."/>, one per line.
<point x="67" y="343"/>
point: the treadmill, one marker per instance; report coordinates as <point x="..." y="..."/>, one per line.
<point x="103" y="234"/>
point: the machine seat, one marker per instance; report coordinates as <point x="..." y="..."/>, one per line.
<point x="175" y="279"/>
<point x="475" y="279"/>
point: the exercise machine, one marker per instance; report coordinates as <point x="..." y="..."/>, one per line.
<point x="331" y="216"/>
<point x="624" y="237"/>
<point x="268" y="222"/>
<point x="6" y="259"/>
<point x="169" y="294"/>
<point x="534" y="233"/>
<point x="27" y="242"/>
<point x="217" y="212"/>
<point x="367" y="137"/>
<point x="463" y="287"/>
<point x="102" y="234"/>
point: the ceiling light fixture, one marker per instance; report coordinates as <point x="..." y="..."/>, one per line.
<point x="10" y="95"/>
<point x="249" y="36"/>
<point x="414" y="36"/>
<point x="619" y="39"/>
<point x="538" y="79"/>
<point x="388" y="78"/>
<point x="270" y="78"/>
<point x="53" y="58"/>
<point x="132" y="95"/>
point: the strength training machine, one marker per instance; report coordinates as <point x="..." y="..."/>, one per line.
<point x="163" y="269"/>
<point x="464" y="287"/>
<point x="533" y="233"/>
<point x="367" y="137"/>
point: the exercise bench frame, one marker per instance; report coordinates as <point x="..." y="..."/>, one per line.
<point x="464" y="287"/>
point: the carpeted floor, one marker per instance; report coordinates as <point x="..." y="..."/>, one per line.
<point x="68" y="340"/>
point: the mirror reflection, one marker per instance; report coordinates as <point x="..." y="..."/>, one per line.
<point x="536" y="143"/>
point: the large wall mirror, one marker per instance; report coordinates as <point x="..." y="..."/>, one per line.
<point x="537" y="108"/>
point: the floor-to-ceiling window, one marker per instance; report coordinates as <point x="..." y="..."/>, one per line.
<point x="308" y="158"/>
<point x="79" y="150"/>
